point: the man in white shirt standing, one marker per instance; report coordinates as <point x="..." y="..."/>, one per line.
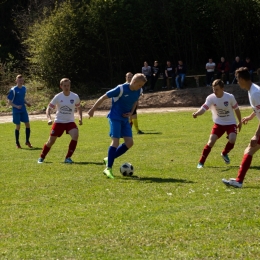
<point x="65" y="103"/>
<point x="210" y="67"/>
<point x="243" y="78"/>
<point x="222" y="106"/>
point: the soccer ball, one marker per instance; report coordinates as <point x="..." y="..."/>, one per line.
<point x="127" y="169"/>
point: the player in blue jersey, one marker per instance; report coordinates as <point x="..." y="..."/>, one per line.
<point x="124" y="100"/>
<point x="16" y="99"/>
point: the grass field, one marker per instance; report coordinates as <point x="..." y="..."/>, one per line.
<point x="170" y="210"/>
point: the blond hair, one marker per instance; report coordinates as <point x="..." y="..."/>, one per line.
<point x="64" y="80"/>
<point x="139" y="76"/>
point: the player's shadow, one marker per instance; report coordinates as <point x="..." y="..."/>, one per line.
<point x="32" y="149"/>
<point x="86" y="163"/>
<point x="152" y="133"/>
<point x="157" y="180"/>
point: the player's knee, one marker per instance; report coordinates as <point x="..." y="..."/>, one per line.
<point x="129" y="144"/>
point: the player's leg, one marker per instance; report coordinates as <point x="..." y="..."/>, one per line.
<point x="135" y="122"/>
<point x="27" y="134"/>
<point x="25" y="119"/>
<point x="74" y="133"/>
<point x="17" y="122"/>
<point x="56" y="131"/>
<point x="128" y="140"/>
<point x="232" y="135"/>
<point x="115" y="134"/>
<point x="244" y="166"/>
<point x="216" y="132"/>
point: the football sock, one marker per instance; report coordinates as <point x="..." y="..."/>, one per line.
<point x="229" y="146"/>
<point x="72" y="148"/>
<point x="121" y="149"/>
<point x="205" y="154"/>
<point x="27" y="134"/>
<point x="45" y="151"/>
<point x="17" y="132"/>
<point x="245" y="164"/>
<point x="111" y="156"/>
<point x="135" y="122"/>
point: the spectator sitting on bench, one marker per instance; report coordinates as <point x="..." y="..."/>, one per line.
<point x="180" y="71"/>
<point x="223" y="70"/>
<point x="210" y="67"/>
<point x="168" y="73"/>
<point x="250" y="66"/>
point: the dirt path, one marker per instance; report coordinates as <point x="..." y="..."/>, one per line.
<point x="8" y="118"/>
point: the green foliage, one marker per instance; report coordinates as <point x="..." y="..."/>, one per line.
<point x="171" y="210"/>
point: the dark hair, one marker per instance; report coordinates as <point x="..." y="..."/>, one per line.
<point x="243" y="73"/>
<point x="218" y="82"/>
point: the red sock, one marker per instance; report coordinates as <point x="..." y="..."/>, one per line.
<point x="245" y="164"/>
<point x="205" y="154"/>
<point x="228" y="148"/>
<point x="72" y="147"/>
<point x="45" y="151"/>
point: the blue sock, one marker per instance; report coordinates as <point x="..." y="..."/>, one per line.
<point x="121" y="149"/>
<point x="111" y="156"/>
<point x="17" y="136"/>
<point x="27" y="134"/>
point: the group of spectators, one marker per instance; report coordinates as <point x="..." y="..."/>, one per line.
<point x="223" y="70"/>
<point x="175" y="75"/>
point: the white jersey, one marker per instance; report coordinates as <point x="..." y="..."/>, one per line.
<point x="65" y="106"/>
<point x="254" y="99"/>
<point x="222" y="109"/>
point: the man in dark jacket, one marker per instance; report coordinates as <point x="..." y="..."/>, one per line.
<point x="223" y="70"/>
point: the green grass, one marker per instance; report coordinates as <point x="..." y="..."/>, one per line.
<point x="171" y="210"/>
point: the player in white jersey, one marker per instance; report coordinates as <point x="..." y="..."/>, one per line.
<point x="244" y="80"/>
<point x="65" y="102"/>
<point x="222" y="106"/>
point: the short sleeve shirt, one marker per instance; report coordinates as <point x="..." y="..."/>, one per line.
<point x="222" y="109"/>
<point x="65" y="106"/>
<point x="254" y="99"/>
<point x="17" y="96"/>
<point x="124" y="103"/>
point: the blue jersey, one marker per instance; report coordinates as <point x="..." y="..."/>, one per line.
<point x="123" y="99"/>
<point x="17" y="96"/>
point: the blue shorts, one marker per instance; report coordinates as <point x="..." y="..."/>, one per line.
<point x="20" y="117"/>
<point x="119" y="128"/>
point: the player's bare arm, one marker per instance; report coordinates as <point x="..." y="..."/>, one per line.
<point x="200" y="112"/>
<point x="238" y="114"/>
<point x="27" y="103"/>
<point x="48" y="114"/>
<point x="79" y="110"/>
<point x="96" y="105"/>
<point x="10" y="103"/>
<point x="248" y="118"/>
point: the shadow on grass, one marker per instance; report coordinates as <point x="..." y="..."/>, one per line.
<point x="85" y="163"/>
<point x="156" y="179"/>
<point x="151" y="133"/>
<point x="32" y="149"/>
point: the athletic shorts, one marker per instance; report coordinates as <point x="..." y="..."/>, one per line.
<point x="20" y="117"/>
<point x="58" y="128"/>
<point x="119" y="128"/>
<point x="219" y="130"/>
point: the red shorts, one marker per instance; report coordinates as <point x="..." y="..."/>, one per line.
<point x="58" y="128"/>
<point x="219" y="130"/>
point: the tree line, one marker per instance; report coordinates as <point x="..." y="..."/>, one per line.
<point x="95" y="42"/>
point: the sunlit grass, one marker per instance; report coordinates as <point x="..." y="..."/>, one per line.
<point x="170" y="210"/>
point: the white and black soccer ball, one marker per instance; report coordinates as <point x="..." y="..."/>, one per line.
<point x="127" y="169"/>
